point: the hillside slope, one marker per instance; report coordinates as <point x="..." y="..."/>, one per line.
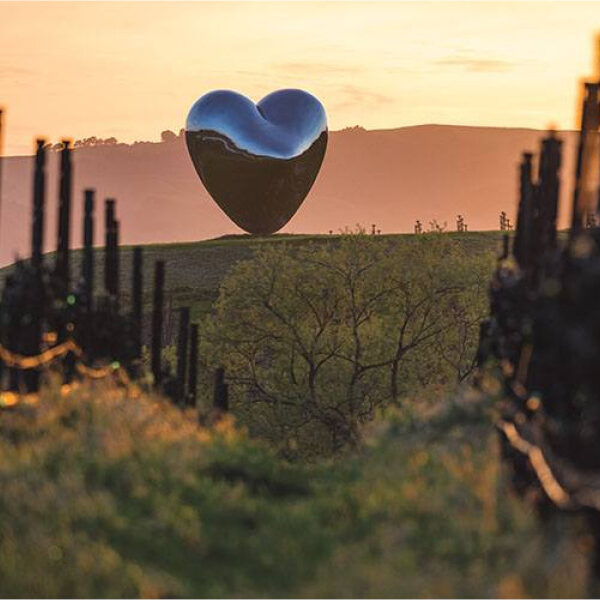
<point x="388" y="177"/>
<point x="195" y="270"/>
<point x="107" y="495"/>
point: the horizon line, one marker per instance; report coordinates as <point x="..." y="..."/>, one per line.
<point x="348" y="129"/>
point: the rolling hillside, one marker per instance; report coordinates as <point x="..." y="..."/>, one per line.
<point x="388" y="177"/>
<point x="194" y="270"/>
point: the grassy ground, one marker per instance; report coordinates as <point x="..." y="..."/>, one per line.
<point x="105" y="495"/>
<point x="195" y="270"/>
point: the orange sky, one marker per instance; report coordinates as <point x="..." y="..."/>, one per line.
<point x="133" y="69"/>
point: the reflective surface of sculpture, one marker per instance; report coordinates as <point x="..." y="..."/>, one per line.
<point x="257" y="161"/>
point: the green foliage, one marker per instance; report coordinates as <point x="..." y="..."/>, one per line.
<point x="316" y="338"/>
<point x="195" y="270"/>
<point x="104" y="495"/>
<point x="109" y="496"/>
<point x="441" y="519"/>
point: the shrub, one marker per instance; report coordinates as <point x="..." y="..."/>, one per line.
<point x="315" y="339"/>
<point x="109" y="496"/>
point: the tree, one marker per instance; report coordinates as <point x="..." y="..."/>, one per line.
<point x="315" y="339"/>
<point x="93" y="141"/>
<point x="168" y="136"/>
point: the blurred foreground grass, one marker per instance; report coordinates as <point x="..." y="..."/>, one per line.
<point x="108" y="496"/>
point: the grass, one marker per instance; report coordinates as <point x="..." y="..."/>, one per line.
<point x="109" y="496"/>
<point x="106" y="495"/>
<point x="194" y="270"/>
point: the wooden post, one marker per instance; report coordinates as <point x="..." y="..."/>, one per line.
<point x="525" y="217"/>
<point x="193" y="367"/>
<point x="31" y="334"/>
<point x="111" y="255"/>
<point x="10" y="332"/>
<point x="116" y="260"/>
<point x="136" y="295"/>
<point x="182" y="352"/>
<point x="39" y="197"/>
<point x="590" y="121"/>
<point x="62" y="268"/>
<point x="157" y="321"/>
<point x="1" y="155"/>
<point x="87" y="266"/>
<point x="549" y="188"/>
<point x="109" y="217"/>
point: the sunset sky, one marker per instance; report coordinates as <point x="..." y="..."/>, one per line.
<point x="131" y="70"/>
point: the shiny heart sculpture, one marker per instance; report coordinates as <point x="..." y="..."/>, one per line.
<point x="257" y="161"/>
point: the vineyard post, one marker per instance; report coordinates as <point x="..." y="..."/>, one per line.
<point x="157" y="321"/>
<point x="109" y="215"/>
<point x="590" y="121"/>
<point x="87" y="265"/>
<point x="522" y="243"/>
<point x="182" y="352"/>
<point x="193" y="367"/>
<point x="116" y="262"/>
<point x="62" y="267"/>
<point x="32" y="334"/>
<point x="39" y="191"/>
<point x="136" y="293"/>
<point x="12" y="335"/>
<point x="111" y="266"/>
<point x="1" y="155"/>
<point x="596" y="206"/>
<point x="549" y="187"/>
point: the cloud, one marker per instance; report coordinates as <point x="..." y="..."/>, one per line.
<point x="318" y="68"/>
<point x="10" y="72"/>
<point x="353" y="95"/>
<point x="475" y="65"/>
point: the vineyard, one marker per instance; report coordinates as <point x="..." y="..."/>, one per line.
<point x="54" y="321"/>
<point x="319" y="416"/>
<point x="541" y="341"/>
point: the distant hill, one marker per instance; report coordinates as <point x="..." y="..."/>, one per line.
<point x="387" y="177"/>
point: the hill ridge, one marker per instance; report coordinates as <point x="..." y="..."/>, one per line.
<point x="388" y="177"/>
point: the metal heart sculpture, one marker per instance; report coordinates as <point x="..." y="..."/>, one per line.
<point x="257" y="161"/>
